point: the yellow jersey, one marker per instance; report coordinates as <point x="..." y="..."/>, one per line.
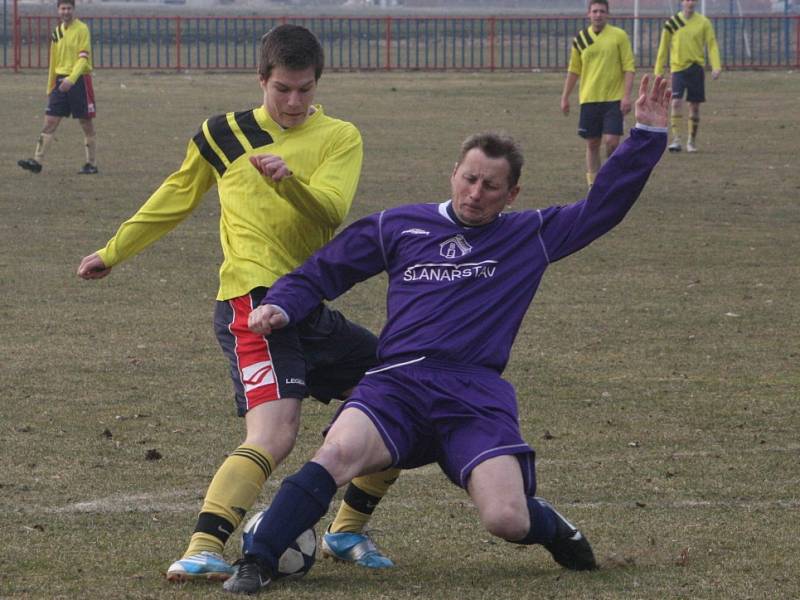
<point x="601" y="61"/>
<point x="266" y="229"/>
<point x="70" y="52"/>
<point x="685" y="39"/>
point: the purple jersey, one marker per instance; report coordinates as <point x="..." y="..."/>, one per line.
<point x="458" y="293"/>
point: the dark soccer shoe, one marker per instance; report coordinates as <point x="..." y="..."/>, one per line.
<point x="87" y="169"/>
<point x="248" y="578"/>
<point x="570" y="548"/>
<point x="30" y="164"/>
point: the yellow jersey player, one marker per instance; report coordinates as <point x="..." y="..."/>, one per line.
<point x="286" y="174"/>
<point x="69" y="87"/>
<point x="685" y="37"/>
<point x="603" y="61"/>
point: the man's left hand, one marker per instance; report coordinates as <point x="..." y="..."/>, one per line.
<point x="65" y="86"/>
<point x="652" y="106"/>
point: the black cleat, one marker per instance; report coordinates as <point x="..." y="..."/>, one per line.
<point x="30" y="164"/>
<point x="570" y="548"/>
<point x="87" y="169"/>
<point x="248" y="578"/>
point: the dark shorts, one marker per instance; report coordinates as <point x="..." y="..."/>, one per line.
<point x="458" y="416"/>
<point x="690" y="81"/>
<point x="598" y="118"/>
<point x="323" y="356"/>
<point x="78" y="101"/>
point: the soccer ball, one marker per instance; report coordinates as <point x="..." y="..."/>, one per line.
<point x="299" y="556"/>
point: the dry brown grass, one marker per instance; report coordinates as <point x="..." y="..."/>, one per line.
<point x="662" y="361"/>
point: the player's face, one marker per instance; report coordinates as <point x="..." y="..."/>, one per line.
<point x="688" y="7"/>
<point x="598" y="15"/>
<point x="288" y="95"/>
<point x="479" y="187"/>
<point x="65" y="12"/>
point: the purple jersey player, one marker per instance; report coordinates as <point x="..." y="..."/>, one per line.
<point x="461" y="276"/>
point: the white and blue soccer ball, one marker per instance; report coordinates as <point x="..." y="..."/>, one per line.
<point x="298" y="558"/>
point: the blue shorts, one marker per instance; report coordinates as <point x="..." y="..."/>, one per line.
<point x="323" y="356"/>
<point x="78" y="101"/>
<point x="455" y="415"/>
<point x="598" y="118"/>
<point x="690" y="81"/>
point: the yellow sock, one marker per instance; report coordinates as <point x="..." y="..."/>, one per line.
<point x="232" y="492"/>
<point x="42" y="144"/>
<point x="590" y="179"/>
<point x="675" y="125"/>
<point x="361" y="498"/>
<point x="91" y="149"/>
<point x="694" y="123"/>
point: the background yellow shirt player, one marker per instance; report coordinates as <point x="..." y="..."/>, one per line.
<point x="603" y="61"/>
<point x="69" y="87"/>
<point x="685" y="37"/>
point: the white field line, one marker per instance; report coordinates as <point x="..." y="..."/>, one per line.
<point x="178" y="501"/>
<point x="159" y="503"/>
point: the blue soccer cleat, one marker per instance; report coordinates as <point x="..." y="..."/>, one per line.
<point x="356" y="548"/>
<point x="204" y="565"/>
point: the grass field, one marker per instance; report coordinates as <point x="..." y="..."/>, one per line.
<point x="657" y="371"/>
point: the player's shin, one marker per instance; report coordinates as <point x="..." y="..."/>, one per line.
<point x="360" y="499"/>
<point x="543" y="524"/>
<point x="90" y="145"/>
<point x="233" y="491"/>
<point x="300" y="503"/>
<point x="42" y="144"/>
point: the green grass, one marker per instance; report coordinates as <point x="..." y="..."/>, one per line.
<point x="657" y="370"/>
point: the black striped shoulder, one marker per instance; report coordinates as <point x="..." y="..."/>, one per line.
<point x="674" y="23"/>
<point x="219" y="144"/>
<point x="582" y="40"/>
<point x="58" y="33"/>
<point x="257" y="137"/>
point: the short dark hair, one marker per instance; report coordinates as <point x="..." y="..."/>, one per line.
<point x="290" y="46"/>
<point x="70" y="2"/>
<point x="497" y="145"/>
<point x="603" y="2"/>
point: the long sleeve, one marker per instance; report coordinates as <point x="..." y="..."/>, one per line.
<point x="82" y="63"/>
<point x="663" y="51"/>
<point x="51" y="70"/>
<point x="330" y="190"/>
<point x="713" y="48"/>
<point x="354" y="255"/>
<point x="619" y="182"/>
<point x="169" y="205"/>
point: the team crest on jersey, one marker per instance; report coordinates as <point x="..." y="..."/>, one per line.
<point x="454" y="247"/>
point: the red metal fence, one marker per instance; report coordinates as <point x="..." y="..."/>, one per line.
<point x="386" y="42"/>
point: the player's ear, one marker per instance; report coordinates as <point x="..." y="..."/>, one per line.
<point x="512" y="195"/>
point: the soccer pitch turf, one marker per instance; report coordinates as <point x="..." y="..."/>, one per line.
<point x="656" y="371"/>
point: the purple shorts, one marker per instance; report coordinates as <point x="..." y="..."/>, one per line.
<point x="433" y="411"/>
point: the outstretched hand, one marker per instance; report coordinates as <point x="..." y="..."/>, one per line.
<point x="652" y="106"/>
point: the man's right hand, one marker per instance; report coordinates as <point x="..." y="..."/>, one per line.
<point x="92" y="267"/>
<point x="564" y="105"/>
<point x="265" y="318"/>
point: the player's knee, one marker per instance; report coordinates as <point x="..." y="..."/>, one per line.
<point x="506" y="519"/>
<point x="340" y="459"/>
